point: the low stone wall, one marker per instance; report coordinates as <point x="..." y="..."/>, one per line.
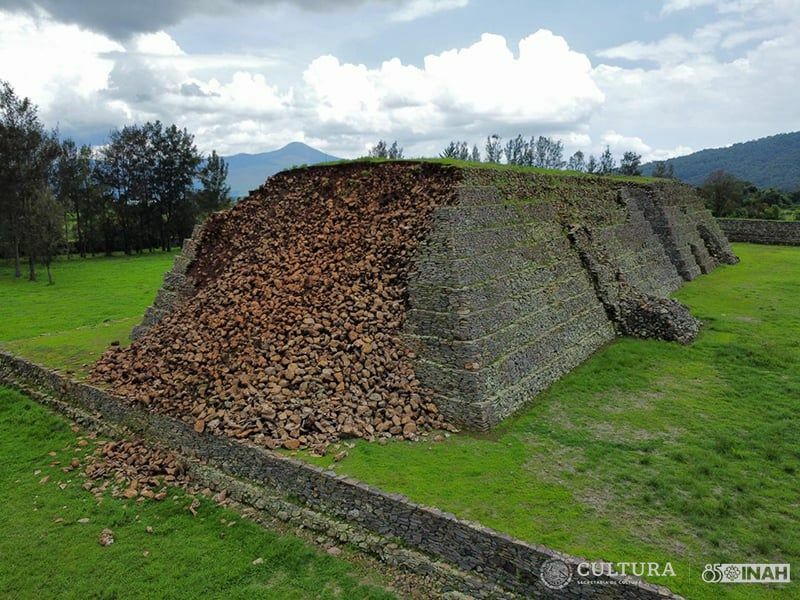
<point x="785" y="233"/>
<point x="512" y="564"/>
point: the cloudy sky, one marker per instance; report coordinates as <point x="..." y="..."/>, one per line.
<point x="661" y="77"/>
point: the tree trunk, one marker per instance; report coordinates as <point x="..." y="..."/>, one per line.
<point x="79" y="227"/>
<point x="49" y="275"/>
<point x="17" y="266"/>
<point x="31" y="267"/>
<point x="66" y="237"/>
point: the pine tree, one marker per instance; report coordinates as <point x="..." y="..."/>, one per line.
<point x="576" y="162"/>
<point x="494" y="149"/>
<point x="214" y="193"/>
<point x="630" y="164"/>
<point x="663" y="169"/>
<point x="607" y="162"/>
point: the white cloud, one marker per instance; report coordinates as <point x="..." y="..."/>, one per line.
<point x="417" y="9"/>
<point x="231" y="104"/>
<point x="761" y="8"/>
<point x="545" y="85"/>
<point x="731" y="79"/>
<point x="42" y="58"/>
<point x="671" y="6"/>
<point x="620" y="144"/>
<point x="158" y="44"/>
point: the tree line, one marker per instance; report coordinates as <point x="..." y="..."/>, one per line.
<point x="727" y="196"/>
<point x="543" y="152"/>
<point x="724" y="194"/>
<point x="145" y="189"/>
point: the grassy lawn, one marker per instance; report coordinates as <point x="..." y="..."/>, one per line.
<point x="94" y="301"/>
<point x="650" y="451"/>
<point x="47" y="553"/>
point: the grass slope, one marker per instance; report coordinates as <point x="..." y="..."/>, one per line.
<point x="48" y="554"/>
<point x="650" y="451"/>
<point x="464" y="164"/>
<point x="94" y="301"/>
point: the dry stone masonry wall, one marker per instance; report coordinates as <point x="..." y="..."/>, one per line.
<point x="528" y="274"/>
<point x="754" y="231"/>
<point x="514" y="279"/>
<point x="178" y="286"/>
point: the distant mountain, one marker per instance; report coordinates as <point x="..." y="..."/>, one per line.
<point x="248" y="171"/>
<point x="768" y="162"/>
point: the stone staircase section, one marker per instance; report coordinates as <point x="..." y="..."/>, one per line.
<point x="176" y="288"/>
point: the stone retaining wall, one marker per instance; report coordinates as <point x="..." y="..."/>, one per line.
<point x="497" y="558"/>
<point x="528" y="274"/>
<point x="177" y="286"/>
<point x="786" y="233"/>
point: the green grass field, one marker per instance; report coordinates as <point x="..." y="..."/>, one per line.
<point x="650" y="451"/>
<point x="47" y="553"/>
<point x="93" y="302"/>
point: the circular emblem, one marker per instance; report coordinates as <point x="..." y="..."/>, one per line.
<point x="732" y="573"/>
<point x="555" y="573"/>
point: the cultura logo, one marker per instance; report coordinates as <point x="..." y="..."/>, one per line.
<point x="555" y="574"/>
<point x="747" y="573"/>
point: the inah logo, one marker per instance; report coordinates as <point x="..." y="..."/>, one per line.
<point x="555" y="573"/>
<point x="747" y="573"/>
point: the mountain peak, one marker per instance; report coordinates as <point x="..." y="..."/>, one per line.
<point x="248" y="171"/>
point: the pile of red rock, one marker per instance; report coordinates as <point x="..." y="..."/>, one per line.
<point x="292" y="338"/>
<point x="133" y="470"/>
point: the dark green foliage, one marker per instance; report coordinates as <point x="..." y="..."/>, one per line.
<point x="476" y="154"/>
<point x="516" y="151"/>
<point x="75" y="190"/>
<point x="663" y="170"/>
<point x="46" y="230"/>
<point x="767" y="162"/>
<point x="576" y="162"/>
<point x="494" y="148"/>
<point x="137" y="193"/>
<point x="722" y="193"/>
<point x="727" y="196"/>
<point x="456" y="151"/>
<point x="607" y="163"/>
<point x="547" y="153"/>
<point x="147" y="173"/>
<point x="631" y="164"/>
<point x="384" y="150"/>
<point x="214" y="193"/>
<point x="543" y="153"/>
<point x="27" y="152"/>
